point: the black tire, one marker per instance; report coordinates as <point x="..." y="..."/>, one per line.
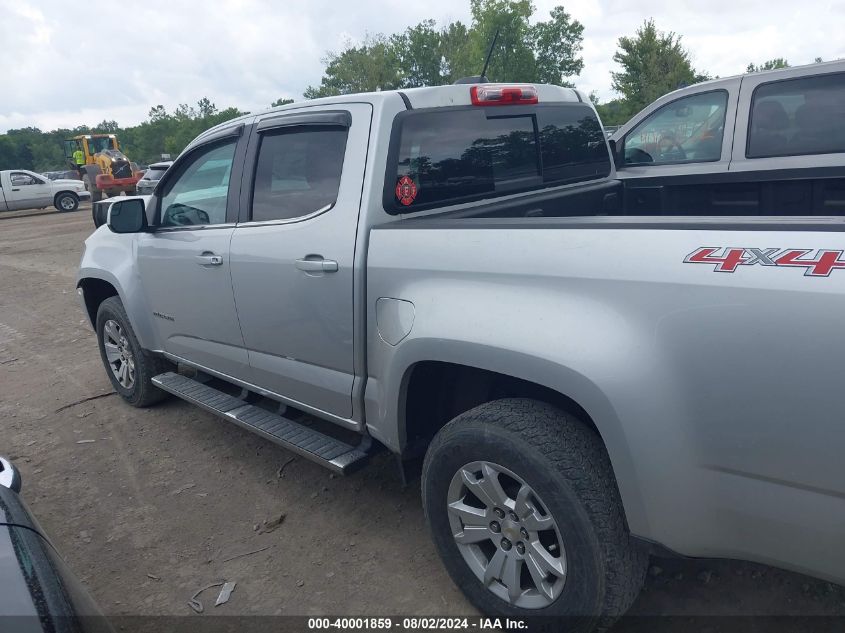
<point x="73" y="205"/>
<point x="142" y="393"/>
<point x="90" y="180"/>
<point x="565" y="463"/>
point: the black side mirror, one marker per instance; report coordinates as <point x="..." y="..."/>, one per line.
<point x="128" y="216"/>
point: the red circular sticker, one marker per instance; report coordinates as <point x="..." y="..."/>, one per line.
<point x="406" y="190"/>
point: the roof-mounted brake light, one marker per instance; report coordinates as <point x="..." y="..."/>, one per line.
<point x="501" y="94"/>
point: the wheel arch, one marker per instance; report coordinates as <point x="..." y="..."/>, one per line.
<point x="94" y="292"/>
<point x="455" y="376"/>
<point x="62" y="193"/>
<point x="96" y="285"/>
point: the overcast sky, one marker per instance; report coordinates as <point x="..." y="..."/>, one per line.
<point x="70" y="63"/>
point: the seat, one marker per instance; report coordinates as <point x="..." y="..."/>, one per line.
<point x="816" y="131"/>
<point x="769" y="123"/>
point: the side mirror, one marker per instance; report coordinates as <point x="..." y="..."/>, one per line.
<point x="127" y="216"/>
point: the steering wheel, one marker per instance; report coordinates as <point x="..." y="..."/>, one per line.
<point x="184" y="215"/>
<point x="636" y="156"/>
<point x="674" y="151"/>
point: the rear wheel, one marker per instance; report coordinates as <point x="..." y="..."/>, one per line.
<point x="526" y="516"/>
<point x="129" y="367"/>
<point x="66" y="201"/>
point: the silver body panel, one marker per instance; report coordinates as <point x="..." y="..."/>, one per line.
<point x="717" y="395"/>
<point x="298" y="325"/>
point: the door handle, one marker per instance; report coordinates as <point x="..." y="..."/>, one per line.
<point x="15" y="189"/>
<point x="209" y="259"/>
<point x="317" y="265"/>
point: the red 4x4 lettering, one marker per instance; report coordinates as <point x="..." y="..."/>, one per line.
<point x="727" y="259"/>
<point x="821" y="266"/>
<point x="726" y="263"/>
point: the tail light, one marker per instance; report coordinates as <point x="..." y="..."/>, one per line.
<point x="501" y="94"/>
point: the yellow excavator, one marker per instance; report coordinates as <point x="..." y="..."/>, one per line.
<point x="105" y="170"/>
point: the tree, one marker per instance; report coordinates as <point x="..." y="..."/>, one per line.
<point x="772" y="64"/>
<point x="513" y="58"/>
<point x="157" y="113"/>
<point x="30" y="148"/>
<point x="653" y="63"/>
<point x="419" y="55"/>
<point x="557" y="44"/>
<point x="425" y="55"/>
<point x="372" y="66"/>
<point x="107" y="127"/>
<point x="206" y="108"/>
<point x="280" y="102"/>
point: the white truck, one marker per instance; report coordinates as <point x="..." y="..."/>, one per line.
<point x="22" y="189"/>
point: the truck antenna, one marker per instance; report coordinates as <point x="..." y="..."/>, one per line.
<point x="482" y="78"/>
<point x="489" y="55"/>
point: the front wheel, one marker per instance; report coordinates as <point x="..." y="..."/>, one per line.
<point x="67" y="202"/>
<point x="526" y="516"/>
<point x="129" y="367"/>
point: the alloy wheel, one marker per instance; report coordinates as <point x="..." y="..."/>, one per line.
<point x="119" y="354"/>
<point x="506" y="535"/>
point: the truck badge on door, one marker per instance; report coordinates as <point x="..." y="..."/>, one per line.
<point x="817" y="263"/>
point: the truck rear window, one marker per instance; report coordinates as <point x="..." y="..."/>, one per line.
<point x="445" y="156"/>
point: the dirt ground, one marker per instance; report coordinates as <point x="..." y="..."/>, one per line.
<point x="147" y="505"/>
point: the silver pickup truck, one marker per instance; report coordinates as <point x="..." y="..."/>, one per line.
<point x="767" y="143"/>
<point x="449" y="273"/>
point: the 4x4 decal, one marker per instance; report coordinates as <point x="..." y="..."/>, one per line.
<point x="817" y="263"/>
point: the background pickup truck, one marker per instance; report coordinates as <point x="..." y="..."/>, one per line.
<point x="768" y="143"/>
<point x="449" y="273"/>
<point x="22" y="189"/>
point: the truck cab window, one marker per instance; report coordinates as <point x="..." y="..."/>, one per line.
<point x="298" y="172"/>
<point x="798" y="116"/>
<point x="688" y="130"/>
<point x="19" y="180"/>
<point x="198" y="195"/>
<point x="99" y="144"/>
<point x="458" y="155"/>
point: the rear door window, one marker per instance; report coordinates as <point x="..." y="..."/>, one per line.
<point x="446" y="156"/>
<point x="298" y="172"/>
<point x="798" y="116"/>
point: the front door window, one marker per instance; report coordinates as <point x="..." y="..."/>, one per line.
<point x="197" y="197"/>
<point x="688" y="130"/>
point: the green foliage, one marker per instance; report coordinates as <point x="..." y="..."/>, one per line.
<point x="161" y="133"/>
<point x="365" y="68"/>
<point x="557" y="44"/>
<point x="428" y="55"/>
<point x="280" y="102"/>
<point x="614" y="112"/>
<point x="653" y="63"/>
<point x="772" y="64"/>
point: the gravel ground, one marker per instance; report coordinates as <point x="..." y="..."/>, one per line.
<point x="147" y="505"/>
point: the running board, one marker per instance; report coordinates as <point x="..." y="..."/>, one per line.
<point x="319" y="447"/>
